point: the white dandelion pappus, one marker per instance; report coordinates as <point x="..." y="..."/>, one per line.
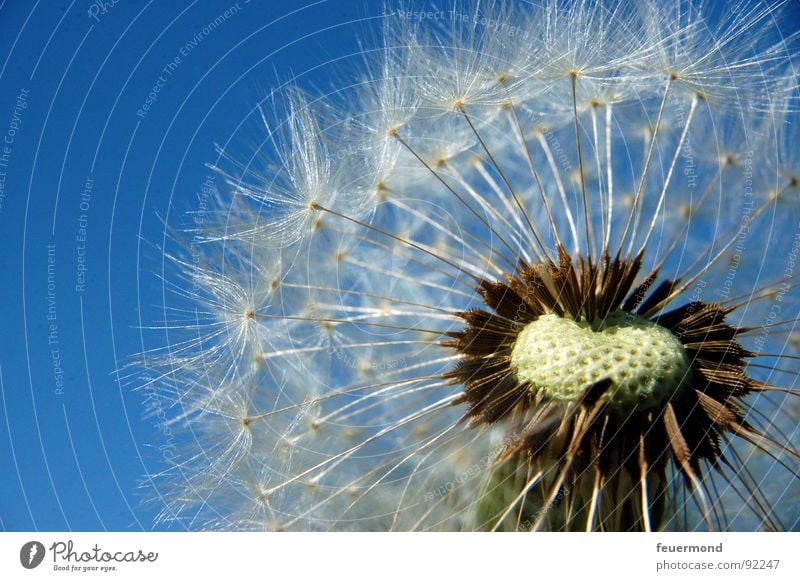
<point x="526" y="276"/>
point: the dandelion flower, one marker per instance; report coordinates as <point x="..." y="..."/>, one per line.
<point x="534" y="273"/>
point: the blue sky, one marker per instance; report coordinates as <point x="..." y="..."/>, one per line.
<point x="109" y="113"/>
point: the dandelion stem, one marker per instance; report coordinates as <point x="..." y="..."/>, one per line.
<point x="345" y="291"/>
<point x="643" y="180"/>
<point x="739" y="231"/>
<point x="513" y="119"/>
<point x="596" y="486"/>
<point x="662" y="196"/>
<point x="531" y="483"/>
<point x="350" y="321"/>
<point x="491" y="211"/>
<point x="600" y="188"/>
<point x="610" y="182"/>
<point x="587" y="222"/>
<point x="452" y="233"/>
<point x="683" y="233"/>
<point x="503" y="177"/>
<point x="399" y="239"/>
<point x="540" y="138"/>
<point x="450" y="188"/>
<point x="645" y="497"/>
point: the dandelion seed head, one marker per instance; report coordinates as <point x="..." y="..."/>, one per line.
<point x="529" y="272"/>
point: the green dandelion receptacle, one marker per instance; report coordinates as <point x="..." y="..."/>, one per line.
<point x="645" y="363"/>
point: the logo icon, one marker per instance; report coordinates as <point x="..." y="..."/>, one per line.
<point x="31" y="554"/>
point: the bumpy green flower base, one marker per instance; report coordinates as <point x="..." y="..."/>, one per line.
<point x="646" y="362"/>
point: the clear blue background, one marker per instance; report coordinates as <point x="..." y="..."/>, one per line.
<point x="74" y="461"/>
